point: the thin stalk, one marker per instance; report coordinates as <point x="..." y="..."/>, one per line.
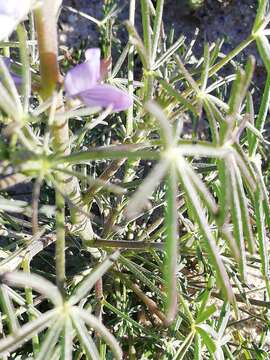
<point x="46" y="25"/>
<point x="60" y="242"/>
<point x="157" y="28"/>
<point x="129" y="126"/>
<point x="26" y="74"/>
<point x="32" y="41"/>
<point x="134" y="245"/>
<point x="35" y="201"/>
<point x="231" y="55"/>
<point x="147" y="38"/>
<point x="260" y="121"/>
<point x="147" y="31"/>
<point x="30" y="303"/>
<point x="170" y="267"/>
<point x="6" y="48"/>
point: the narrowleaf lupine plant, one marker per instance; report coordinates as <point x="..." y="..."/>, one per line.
<point x="138" y="233"/>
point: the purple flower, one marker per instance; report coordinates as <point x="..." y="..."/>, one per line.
<point x="11" y="13"/>
<point x="84" y="81"/>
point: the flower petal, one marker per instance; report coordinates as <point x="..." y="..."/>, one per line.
<point x="11" y="13"/>
<point x="92" y="54"/>
<point x="7" y="25"/>
<point x="84" y="76"/>
<point x="105" y="95"/>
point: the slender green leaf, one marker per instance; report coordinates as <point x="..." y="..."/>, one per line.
<point x="11" y="342"/>
<point x="36" y="282"/>
<point x="205" y="70"/>
<point x="178" y="97"/>
<point x="8" y="309"/>
<point x="170" y="266"/>
<point x="181" y="352"/>
<point x="247" y="229"/>
<point x="263" y="47"/>
<point x="89" y="281"/>
<point x="67" y="340"/>
<point x="166" y="56"/>
<point x="49" y="342"/>
<point x="205" y="315"/>
<point x="94" y="323"/>
<point x="236" y="214"/>
<point x="261" y="231"/>
<point x="110" y="152"/>
<point x="157" y="28"/>
<point x="85" y="339"/>
<point x="198" y="348"/>
<point x="207" y="339"/>
<point x="145" y="190"/>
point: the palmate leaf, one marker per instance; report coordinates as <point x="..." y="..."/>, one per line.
<point x="62" y="320"/>
<point x="210" y="242"/>
<point x="194" y="189"/>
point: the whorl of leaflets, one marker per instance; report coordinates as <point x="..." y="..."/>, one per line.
<point x="12" y="12"/>
<point x="84" y="82"/>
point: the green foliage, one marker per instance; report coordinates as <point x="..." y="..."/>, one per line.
<point x="186" y="207"/>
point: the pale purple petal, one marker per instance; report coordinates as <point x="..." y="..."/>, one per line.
<point x="84" y="76"/>
<point x="92" y="54"/>
<point x="15" y="8"/>
<point x="11" y="13"/>
<point x="7" y="25"/>
<point x="16" y="78"/>
<point x="104" y="95"/>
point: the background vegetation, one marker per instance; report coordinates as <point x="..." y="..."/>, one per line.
<point x="141" y="234"/>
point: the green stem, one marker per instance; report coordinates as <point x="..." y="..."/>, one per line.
<point x="157" y="29"/>
<point x="263" y="111"/>
<point x="46" y="25"/>
<point x="29" y="302"/>
<point x="60" y="242"/>
<point x="147" y="31"/>
<point x="260" y="14"/>
<point x="130" y="119"/>
<point x="231" y="55"/>
<point x="134" y="245"/>
<point x="146" y="27"/>
<point x="26" y="74"/>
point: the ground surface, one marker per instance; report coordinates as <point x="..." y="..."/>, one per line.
<point x="231" y="20"/>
